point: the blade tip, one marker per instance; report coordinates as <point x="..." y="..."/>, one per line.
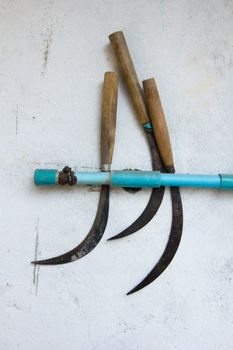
<point x="131" y="292"/>
<point x="111" y="238"/>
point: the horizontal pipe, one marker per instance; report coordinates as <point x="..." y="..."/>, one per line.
<point x="137" y="179"/>
<point x="193" y="180"/>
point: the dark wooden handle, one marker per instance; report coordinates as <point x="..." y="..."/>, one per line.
<point x="158" y="121"/>
<point x="109" y="109"/>
<point x="121" y="50"/>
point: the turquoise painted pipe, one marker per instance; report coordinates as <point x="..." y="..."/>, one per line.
<point x="137" y="179"/>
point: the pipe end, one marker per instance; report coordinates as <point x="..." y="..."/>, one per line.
<point x="45" y="177"/>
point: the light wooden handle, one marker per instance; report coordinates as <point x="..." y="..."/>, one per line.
<point x="108" y="125"/>
<point x="158" y="121"/>
<point x="121" y="50"/>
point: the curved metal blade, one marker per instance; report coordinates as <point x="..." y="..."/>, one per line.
<point x="92" y="238"/>
<point x="155" y="198"/>
<point x="173" y="241"/>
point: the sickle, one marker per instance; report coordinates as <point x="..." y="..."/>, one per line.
<point x="162" y="137"/>
<point x="109" y="107"/>
<point x="128" y="71"/>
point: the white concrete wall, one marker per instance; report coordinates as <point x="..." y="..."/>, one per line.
<point x="53" y="55"/>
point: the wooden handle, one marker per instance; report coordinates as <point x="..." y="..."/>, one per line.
<point x="158" y="121"/>
<point x="108" y="125"/>
<point x="121" y="50"/>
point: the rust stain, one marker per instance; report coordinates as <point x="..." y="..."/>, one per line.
<point x="36" y="269"/>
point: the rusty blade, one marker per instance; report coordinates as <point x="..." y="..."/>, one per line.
<point x="156" y="194"/>
<point x="172" y="245"/>
<point x="92" y="238"/>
